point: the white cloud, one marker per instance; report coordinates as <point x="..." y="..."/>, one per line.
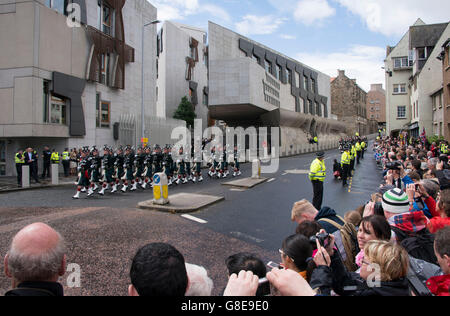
<point x="393" y="18"/>
<point x="180" y="9"/>
<point x="288" y="37"/>
<point x="259" y="25"/>
<point x="360" y="62"/>
<point x="309" y="12"/>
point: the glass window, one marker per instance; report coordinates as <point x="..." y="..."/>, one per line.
<point x="97" y="110"/>
<point x="45" y="101"/>
<point x="401" y="111"/>
<point x="105" y="115"/>
<point x="288" y="76"/>
<point x="421" y="53"/>
<point x="57" y="111"/>
<point x="305" y="83"/>
<point x="2" y="158"/>
<point x="57" y="5"/>
<point x="205" y="99"/>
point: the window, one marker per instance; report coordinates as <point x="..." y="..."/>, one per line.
<point x="268" y="66"/>
<point x="2" y="158"/>
<point x="421" y="53"/>
<point x="288" y="76"/>
<point x="311" y="107"/>
<point x="318" y="109"/>
<point x="325" y="111"/>
<point x="399" y="88"/>
<point x="45" y="101"/>
<point x="97" y="110"/>
<point x="57" y="110"/>
<point x="278" y="72"/>
<point x="313" y="85"/>
<point x="103" y="112"/>
<point x="297" y="79"/>
<point x="58" y="5"/>
<point x="305" y="83"/>
<point x="255" y="58"/>
<point x="205" y="99"/>
<point x="402" y="62"/>
<point x="401" y="112"/>
<point x="104" y="71"/>
<point x="105" y="17"/>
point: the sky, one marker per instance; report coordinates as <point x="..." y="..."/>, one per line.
<point x="326" y="35"/>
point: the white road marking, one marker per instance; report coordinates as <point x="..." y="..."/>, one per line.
<point x="195" y="219"/>
<point x="237" y="190"/>
<point x="270" y="180"/>
<point x="242" y="235"/>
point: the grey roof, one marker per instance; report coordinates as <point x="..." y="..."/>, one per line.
<point x="425" y="35"/>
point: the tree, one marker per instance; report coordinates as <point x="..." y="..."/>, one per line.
<point x="185" y="112"/>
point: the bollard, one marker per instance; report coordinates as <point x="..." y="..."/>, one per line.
<point x="256" y="169"/>
<point x="160" y="189"/>
<point x="55" y="174"/>
<point x="25" y="176"/>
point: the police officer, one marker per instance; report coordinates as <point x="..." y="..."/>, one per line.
<point x="317" y="176"/>
<point x="353" y="154"/>
<point x="345" y="164"/>
<point x="444" y="148"/>
<point x="358" y="151"/>
<point x="20" y="162"/>
<point x="66" y="161"/>
<point x="363" y="147"/>
<point x="46" y="157"/>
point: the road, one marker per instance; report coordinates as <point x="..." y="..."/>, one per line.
<point x="104" y="233"/>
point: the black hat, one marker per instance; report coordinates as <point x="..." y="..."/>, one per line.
<point x="320" y="154"/>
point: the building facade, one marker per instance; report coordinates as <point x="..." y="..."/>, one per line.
<point x="70" y="85"/>
<point x="445" y="111"/>
<point x="376" y="104"/>
<point x="348" y="103"/>
<point x="182" y="69"/>
<point x="426" y="80"/>
<point x="253" y="85"/>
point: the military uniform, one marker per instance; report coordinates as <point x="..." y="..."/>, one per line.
<point x="317" y="176"/>
<point x="107" y="170"/>
<point x="129" y="173"/>
<point x="119" y="161"/>
<point x="148" y="164"/>
<point x="84" y="169"/>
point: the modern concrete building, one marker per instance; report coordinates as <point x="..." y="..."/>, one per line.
<point x="376" y="104"/>
<point x="348" y="103"/>
<point x="69" y="85"/>
<point x="253" y="85"/>
<point x="182" y="69"/>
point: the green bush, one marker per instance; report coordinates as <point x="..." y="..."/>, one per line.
<point x="435" y="139"/>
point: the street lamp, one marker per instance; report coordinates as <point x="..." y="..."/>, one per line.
<point x="143" y="77"/>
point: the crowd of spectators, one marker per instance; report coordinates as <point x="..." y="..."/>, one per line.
<point x="398" y="244"/>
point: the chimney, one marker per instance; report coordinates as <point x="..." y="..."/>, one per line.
<point x="341" y="73"/>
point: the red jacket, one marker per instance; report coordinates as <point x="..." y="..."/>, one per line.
<point x="437" y="223"/>
<point x="440" y="285"/>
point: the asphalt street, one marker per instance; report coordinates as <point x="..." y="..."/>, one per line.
<point x="103" y="233"/>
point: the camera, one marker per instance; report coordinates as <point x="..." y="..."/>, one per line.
<point x="324" y="239"/>
<point x="396" y="165"/>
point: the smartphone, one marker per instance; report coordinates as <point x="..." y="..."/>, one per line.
<point x="274" y="265"/>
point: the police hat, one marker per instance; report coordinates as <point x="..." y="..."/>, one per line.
<point x="320" y="154"/>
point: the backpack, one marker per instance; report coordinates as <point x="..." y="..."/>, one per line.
<point x="419" y="245"/>
<point x="349" y="242"/>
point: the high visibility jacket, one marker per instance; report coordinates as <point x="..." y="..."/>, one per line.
<point x="345" y="158"/>
<point x="318" y="170"/>
<point x="358" y="147"/>
<point x="353" y="152"/>
<point x="55" y="158"/>
<point x="363" y="145"/>
<point x="316" y="140"/>
<point x="65" y="155"/>
<point x="19" y="158"/>
<point x="444" y="149"/>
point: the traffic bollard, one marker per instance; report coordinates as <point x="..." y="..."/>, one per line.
<point x="160" y="189"/>
<point x="55" y="174"/>
<point x="256" y="169"/>
<point x="25" y="176"/>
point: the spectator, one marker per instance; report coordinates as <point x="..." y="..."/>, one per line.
<point x="243" y="284"/>
<point x="199" y="282"/>
<point x="305" y="211"/>
<point x="440" y="285"/>
<point x="373" y="227"/>
<point x="295" y="252"/>
<point x="308" y="229"/>
<point x="35" y="261"/>
<point x="353" y="217"/>
<point x="388" y="258"/>
<point x="419" y="200"/>
<point x="248" y="262"/>
<point x="409" y="228"/>
<point x="158" y="270"/>
<point x="443" y="208"/>
<point x="73" y="162"/>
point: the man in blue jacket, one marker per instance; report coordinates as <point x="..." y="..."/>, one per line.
<point x="305" y="211"/>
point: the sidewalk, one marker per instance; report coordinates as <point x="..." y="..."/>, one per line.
<point x="9" y="184"/>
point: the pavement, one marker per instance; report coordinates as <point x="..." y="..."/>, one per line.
<point x="104" y="233"/>
<point x="9" y="184"/>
